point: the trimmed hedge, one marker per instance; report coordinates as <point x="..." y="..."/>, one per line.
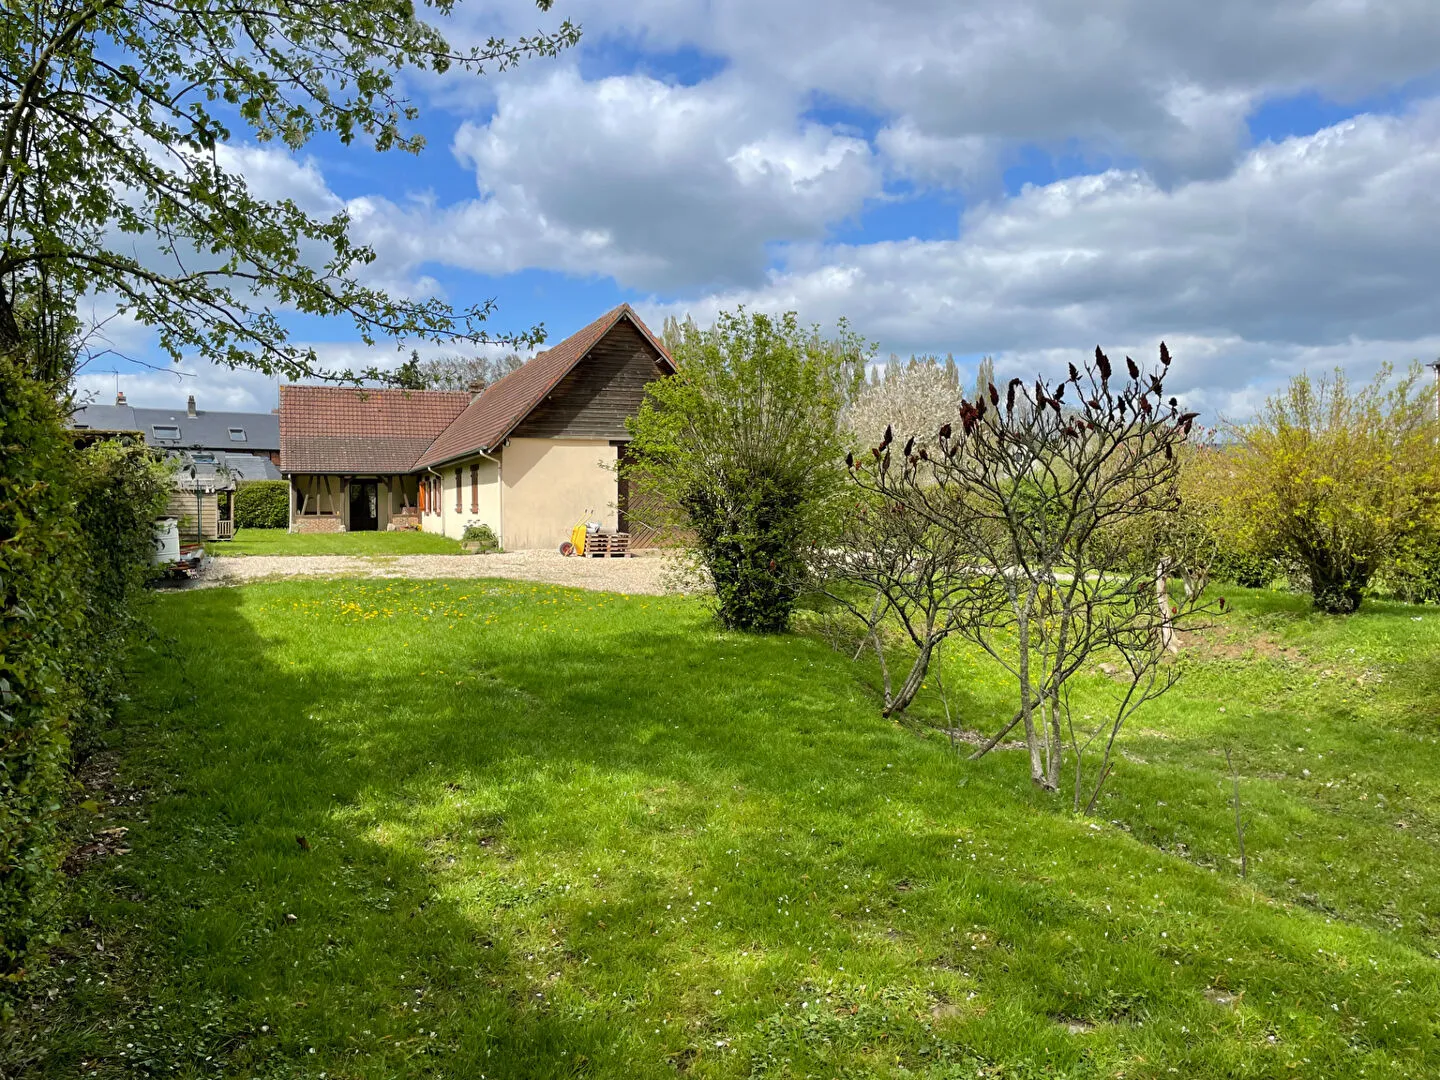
<point x="75" y="552"/>
<point x="263" y="504"/>
<point x="40" y="614"/>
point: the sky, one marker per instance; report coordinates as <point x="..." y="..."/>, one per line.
<point x="1256" y="184"/>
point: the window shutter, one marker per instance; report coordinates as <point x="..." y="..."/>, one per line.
<point x="474" y="489"/>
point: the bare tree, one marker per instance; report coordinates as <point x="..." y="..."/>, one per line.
<point x="1047" y="510"/>
<point x="889" y="564"/>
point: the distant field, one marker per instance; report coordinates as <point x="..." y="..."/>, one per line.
<point x="551" y="833"/>
<point x="282" y="542"/>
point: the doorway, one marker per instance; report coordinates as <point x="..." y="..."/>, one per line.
<point x="364" y="506"/>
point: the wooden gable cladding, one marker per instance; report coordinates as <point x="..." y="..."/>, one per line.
<point x="607" y="386"/>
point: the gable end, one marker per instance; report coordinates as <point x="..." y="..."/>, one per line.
<point x="601" y="392"/>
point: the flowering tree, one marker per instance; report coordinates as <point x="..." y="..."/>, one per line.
<point x="913" y="399"/>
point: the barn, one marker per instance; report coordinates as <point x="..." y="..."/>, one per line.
<point x="528" y="456"/>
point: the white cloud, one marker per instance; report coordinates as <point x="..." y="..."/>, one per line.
<point x="1315" y="250"/>
<point x="1165" y="83"/>
<point x="654" y="184"/>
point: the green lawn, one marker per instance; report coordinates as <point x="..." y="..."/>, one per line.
<point x="553" y="833"/>
<point x="282" y="542"/>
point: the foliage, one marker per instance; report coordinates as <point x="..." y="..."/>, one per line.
<point x="482" y="535"/>
<point x="42" y="619"/>
<point x="1050" y="520"/>
<point x="116" y="123"/>
<point x="262" y="504"/>
<point x="744" y="441"/>
<point x="1334" y="481"/>
<point x="577" y="854"/>
<point x="1412" y="573"/>
<point x="121" y="487"/>
<point x="456" y="373"/>
<point x="76" y="542"/>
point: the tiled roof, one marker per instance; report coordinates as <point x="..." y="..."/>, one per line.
<point x="349" y="429"/>
<point x="506" y="402"/>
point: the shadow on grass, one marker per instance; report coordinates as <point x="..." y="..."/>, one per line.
<point x="540" y="846"/>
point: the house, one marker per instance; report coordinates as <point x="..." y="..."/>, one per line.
<point x="216" y="452"/>
<point x="528" y="456"/>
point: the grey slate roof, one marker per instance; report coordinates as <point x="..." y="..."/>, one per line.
<point x="207" y="429"/>
<point x="225" y="472"/>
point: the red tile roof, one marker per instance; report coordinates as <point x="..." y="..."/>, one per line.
<point x="342" y="429"/>
<point x="506" y="402"/>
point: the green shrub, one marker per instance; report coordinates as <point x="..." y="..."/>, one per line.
<point x="263" y="504"/>
<point x="121" y="487"/>
<point x="42" y="618"/>
<point x="744" y="442"/>
<point x="1244" y="568"/>
<point x="76" y="540"/>
<point x="1413" y="572"/>
<point x="482" y="535"/>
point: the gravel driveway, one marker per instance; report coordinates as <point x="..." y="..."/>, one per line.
<point x="643" y="574"/>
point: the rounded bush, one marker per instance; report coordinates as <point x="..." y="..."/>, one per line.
<point x="263" y="504"/>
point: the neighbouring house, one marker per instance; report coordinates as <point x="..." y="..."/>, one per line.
<point x="215" y="452"/>
<point x="528" y="456"/>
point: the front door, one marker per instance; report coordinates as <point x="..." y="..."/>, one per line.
<point x="364" y="506"/>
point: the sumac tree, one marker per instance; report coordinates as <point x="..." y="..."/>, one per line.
<point x="1046" y="496"/>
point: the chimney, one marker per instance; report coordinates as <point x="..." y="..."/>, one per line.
<point x="119" y="397"/>
<point x="190" y="407"/>
<point x="476" y="387"/>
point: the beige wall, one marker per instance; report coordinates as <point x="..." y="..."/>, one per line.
<point x="450" y="522"/>
<point x="549" y="484"/>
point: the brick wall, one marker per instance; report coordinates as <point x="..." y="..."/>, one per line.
<point x="318" y="525"/>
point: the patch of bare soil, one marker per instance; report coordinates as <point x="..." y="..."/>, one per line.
<point x="106" y="798"/>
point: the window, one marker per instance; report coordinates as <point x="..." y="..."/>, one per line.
<point x="459" y="491"/>
<point x="474" y="489"/>
<point x="165" y="431"/>
<point x="237" y="434"/>
<point x="203" y="459"/>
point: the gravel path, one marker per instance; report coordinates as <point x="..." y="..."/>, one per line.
<point x="643" y="574"/>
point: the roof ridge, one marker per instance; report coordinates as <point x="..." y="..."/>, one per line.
<point x="580" y="342"/>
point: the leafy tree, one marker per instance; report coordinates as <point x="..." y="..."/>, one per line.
<point x="115" y="181"/>
<point x="1335" y="481"/>
<point x="745" y="442"/>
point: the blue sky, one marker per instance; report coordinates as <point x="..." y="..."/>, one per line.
<point x="1257" y="184"/>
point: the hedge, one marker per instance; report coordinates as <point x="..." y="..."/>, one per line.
<point x="263" y="504"/>
<point x="75" y="546"/>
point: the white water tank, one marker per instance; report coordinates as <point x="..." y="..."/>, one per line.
<point x="167" y="541"/>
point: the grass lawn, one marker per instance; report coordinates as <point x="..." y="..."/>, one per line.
<point x="550" y="833"/>
<point x="283" y="542"/>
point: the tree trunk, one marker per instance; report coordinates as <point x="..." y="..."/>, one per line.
<point x="1057" y="746"/>
<point x="1037" y="762"/>
<point x="1162" y="598"/>
<point x="911" y="686"/>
